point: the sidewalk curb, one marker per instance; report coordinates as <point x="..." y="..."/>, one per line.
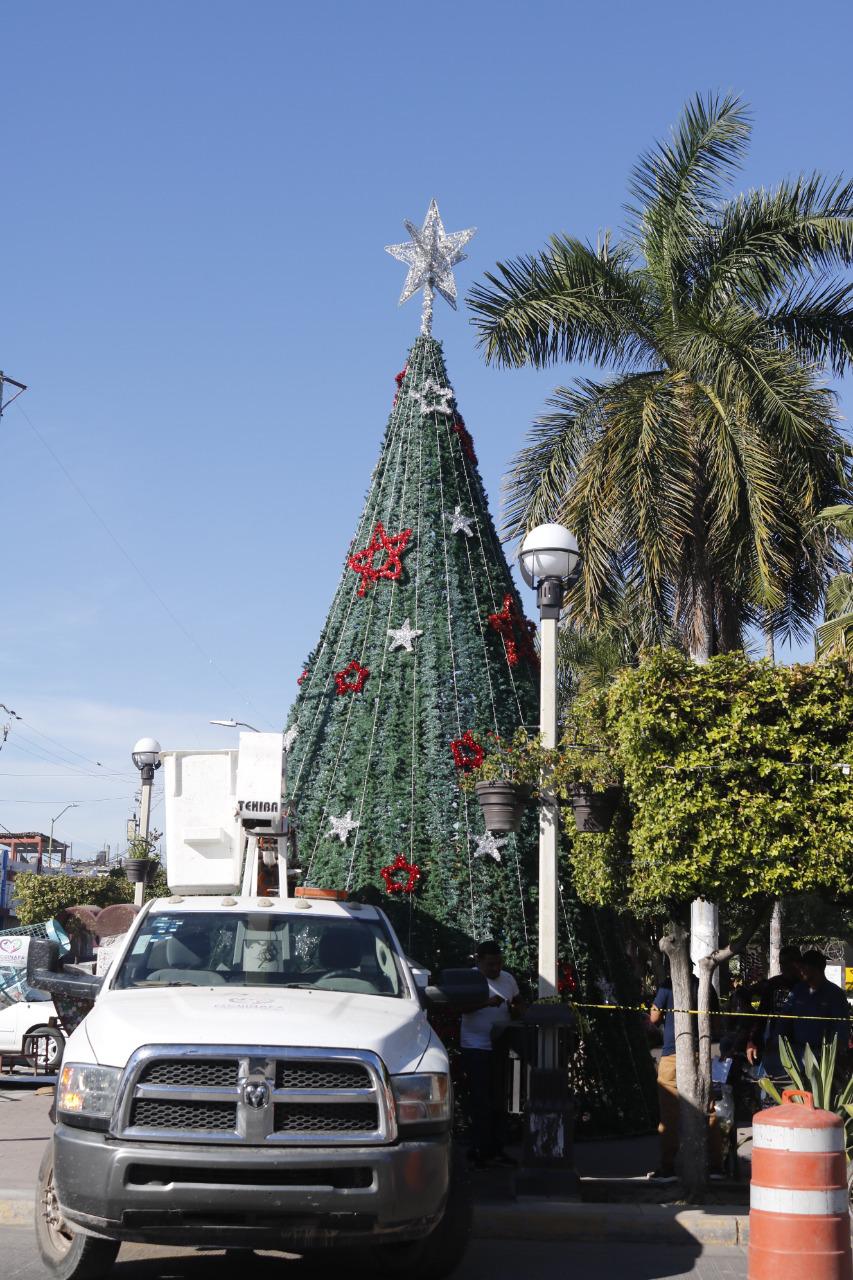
<point x="529" y="1219"/>
<point x="16" y="1208"/>
<point x="623" y="1223"/>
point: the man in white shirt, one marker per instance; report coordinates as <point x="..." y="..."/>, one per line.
<point x="483" y="1062"/>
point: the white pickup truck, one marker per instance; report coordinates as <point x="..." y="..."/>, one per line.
<point x="254" y="1072"/>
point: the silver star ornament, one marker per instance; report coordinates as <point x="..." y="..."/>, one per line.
<point x="460" y="523"/>
<point x="488" y="845"/>
<point x="289" y="737"/>
<point x="341" y="827"/>
<point x="431" y="255"/>
<point x="403" y="637"/>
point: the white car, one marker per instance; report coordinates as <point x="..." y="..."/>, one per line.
<point x="29" y="1028"/>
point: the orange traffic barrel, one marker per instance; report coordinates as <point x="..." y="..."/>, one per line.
<point x="799" y="1223"/>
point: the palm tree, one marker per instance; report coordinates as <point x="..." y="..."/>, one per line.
<point x="834" y="638"/>
<point x="693" y="475"/>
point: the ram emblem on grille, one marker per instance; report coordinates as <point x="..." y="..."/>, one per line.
<point x="256" y="1094"/>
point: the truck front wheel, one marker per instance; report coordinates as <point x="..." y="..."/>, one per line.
<point x="439" y="1253"/>
<point x="67" y="1254"/>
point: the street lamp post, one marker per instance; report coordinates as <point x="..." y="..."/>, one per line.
<point x="549" y="560"/>
<point x="146" y="757"/>
<point x="50" y="837"/>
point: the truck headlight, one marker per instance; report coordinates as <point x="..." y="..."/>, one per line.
<point x="85" y="1094"/>
<point x="422" y="1098"/>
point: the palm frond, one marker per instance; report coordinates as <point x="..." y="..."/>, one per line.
<point x="704" y="150"/>
<point x="817" y="322"/>
<point x="570" y="302"/>
<point x="840" y="517"/>
<point x="764" y="240"/>
<point x="542" y="473"/>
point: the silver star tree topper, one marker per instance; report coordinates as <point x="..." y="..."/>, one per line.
<point x="431" y="255"/>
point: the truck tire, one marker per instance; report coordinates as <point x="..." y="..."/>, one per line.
<point x="55" y="1047"/>
<point x="439" y="1253"/>
<point x="67" y="1254"/>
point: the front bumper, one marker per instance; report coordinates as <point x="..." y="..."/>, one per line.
<point x="176" y="1193"/>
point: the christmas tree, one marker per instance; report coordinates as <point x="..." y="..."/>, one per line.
<point x="424" y="652"/>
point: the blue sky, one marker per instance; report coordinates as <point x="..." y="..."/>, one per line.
<point x="194" y="206"/>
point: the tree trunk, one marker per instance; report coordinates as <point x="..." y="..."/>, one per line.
<point x="770" y="646"/>
<point x="776" y="917"/>
<point x="693" y="1095"/>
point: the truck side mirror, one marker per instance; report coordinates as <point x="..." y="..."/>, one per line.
<point x="459" y="990"/>
<point x="41" y="954"/>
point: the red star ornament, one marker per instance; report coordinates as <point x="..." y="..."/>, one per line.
<point x="351" y="679"/>
<point x="390" y="875"/>
<point x="467" y="752"/>
<point x="516" y="631"/>
<point x="393" y="545"/>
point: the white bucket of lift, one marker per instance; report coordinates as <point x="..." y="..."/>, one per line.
<point x="204" y="841"/>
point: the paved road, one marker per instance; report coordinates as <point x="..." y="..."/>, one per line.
<point x="500" y="1260"/>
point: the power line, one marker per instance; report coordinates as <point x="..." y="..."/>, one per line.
<point x="137" y="570"/>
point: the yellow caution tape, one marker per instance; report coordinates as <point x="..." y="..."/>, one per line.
<point x="717" y="1013"/>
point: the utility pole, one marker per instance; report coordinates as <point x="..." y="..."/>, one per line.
<point x="5" y="381"/>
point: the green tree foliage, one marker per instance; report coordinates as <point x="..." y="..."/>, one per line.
<point x="733" y="782"/>
<point x="734" y="793"/>
<point x="692" y="477"/>
<point x="41" y="897"/>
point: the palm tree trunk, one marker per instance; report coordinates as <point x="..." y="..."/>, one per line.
<point x="776" y="918"/>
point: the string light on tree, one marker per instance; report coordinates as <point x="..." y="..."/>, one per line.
<point x="341" y="827"/>
<point x="403" y="637"/>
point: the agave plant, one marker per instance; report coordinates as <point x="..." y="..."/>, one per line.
<point x="817" y="1076"/>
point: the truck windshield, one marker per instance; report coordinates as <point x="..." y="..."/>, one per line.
<point x="203" y="949"/>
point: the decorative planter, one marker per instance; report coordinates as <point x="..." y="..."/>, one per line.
<point x="139" y="870"/>
<point x="503" y="804"/>
<point x="594" y="810"/>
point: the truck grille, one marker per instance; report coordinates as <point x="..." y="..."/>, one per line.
<point x="255" y="1096"/>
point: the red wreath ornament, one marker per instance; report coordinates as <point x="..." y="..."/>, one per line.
<point x="352" y="679"/>
<point x="467" y="752"/>
<point x="516" y="631"/>
<point x="389" y="875"/>
<point x="393" y="545"/>
<point x="465" y="439"/>
<point x="300" y="679"/>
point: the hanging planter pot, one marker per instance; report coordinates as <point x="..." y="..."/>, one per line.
<point x="140" y="870"/>
<point x="594" y="810"/>
<point x="503" y="804"/>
